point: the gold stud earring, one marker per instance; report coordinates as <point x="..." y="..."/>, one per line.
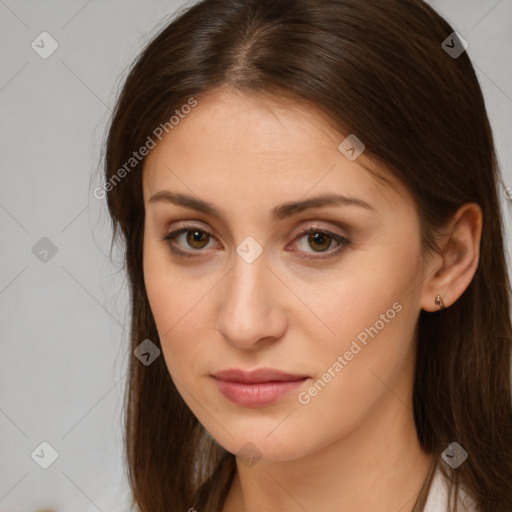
<point x="439" y="302"/>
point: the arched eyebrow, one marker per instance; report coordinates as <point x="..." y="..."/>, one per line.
<point x="280" y="212"/>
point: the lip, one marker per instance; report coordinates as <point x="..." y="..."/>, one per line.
<point x="256" y="388"/>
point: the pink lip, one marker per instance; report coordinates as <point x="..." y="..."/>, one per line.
<point x="256" y="388"/>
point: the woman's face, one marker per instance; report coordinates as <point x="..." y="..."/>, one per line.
<point x="245" y="288"/>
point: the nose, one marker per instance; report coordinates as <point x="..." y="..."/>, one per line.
<point x="251" y="313"/>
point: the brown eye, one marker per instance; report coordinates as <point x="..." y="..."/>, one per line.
<point x="188" y="240"/>
<point x="321" y="240"/>
<point x="318" y="241"/>
<point x="197" y="239"/>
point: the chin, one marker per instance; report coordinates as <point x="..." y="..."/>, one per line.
<point x="259" y="442"/>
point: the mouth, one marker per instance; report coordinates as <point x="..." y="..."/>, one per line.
<point x="257" y="388"/>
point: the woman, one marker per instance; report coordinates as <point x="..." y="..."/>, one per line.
<point x="307" y="191"/>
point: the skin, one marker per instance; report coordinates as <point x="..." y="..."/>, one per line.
<point x="354" y="445"/>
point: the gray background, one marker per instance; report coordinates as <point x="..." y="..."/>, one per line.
<point x="63" y="353"/>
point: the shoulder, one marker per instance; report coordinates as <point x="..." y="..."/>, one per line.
<point x="438" y="496"/>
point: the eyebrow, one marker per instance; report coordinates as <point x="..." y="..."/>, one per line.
<point x="278" y="213"/>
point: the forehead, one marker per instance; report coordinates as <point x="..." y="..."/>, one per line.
<point x="267" y="146"/>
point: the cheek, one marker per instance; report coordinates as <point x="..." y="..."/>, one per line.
<point x="356" y="378"/>
<point x="169" y="292"/>
<point x="178" y="302"/>
<point x="373" y="331"/>
<point x="364" y="296"/>
<point x="373" y="314"/>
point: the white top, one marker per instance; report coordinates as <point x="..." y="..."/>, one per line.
<point x="437" y="500"/>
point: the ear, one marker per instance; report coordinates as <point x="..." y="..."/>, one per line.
<point x="450" y="273"/>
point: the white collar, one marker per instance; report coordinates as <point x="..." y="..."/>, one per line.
<point x="437" y="500"/>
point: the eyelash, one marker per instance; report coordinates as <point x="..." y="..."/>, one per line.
<point x="340" y="240"/>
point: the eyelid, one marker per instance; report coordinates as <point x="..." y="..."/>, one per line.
<point x="305" y="227"/>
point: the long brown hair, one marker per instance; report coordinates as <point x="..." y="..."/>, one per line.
<point x="375" y="68"/>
